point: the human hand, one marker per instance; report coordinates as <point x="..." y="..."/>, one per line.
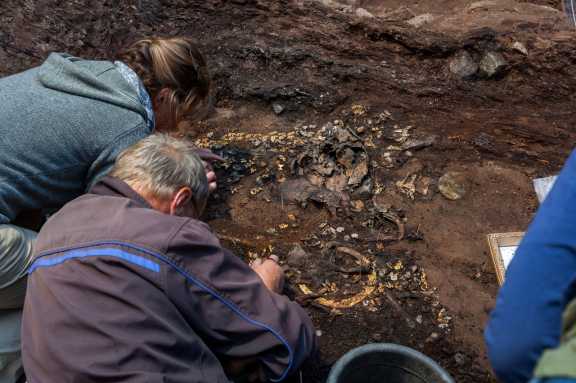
<point x="270" y="272"/>
<point x="211" y="176"/>
<point x="207" y="159"/>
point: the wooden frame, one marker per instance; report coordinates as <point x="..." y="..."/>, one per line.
<point x="496" y="242"/>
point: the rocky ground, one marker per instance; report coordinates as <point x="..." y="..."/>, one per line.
<point x="371" y="144"/>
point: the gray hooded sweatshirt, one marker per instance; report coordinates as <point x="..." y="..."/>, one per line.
<point x="62" y="124"/>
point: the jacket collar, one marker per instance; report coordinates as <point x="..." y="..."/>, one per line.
<point x="110" y="186"/>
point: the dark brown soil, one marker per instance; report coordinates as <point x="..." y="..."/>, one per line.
<point x="550" y="3"/>
<point x="319" y="64"/>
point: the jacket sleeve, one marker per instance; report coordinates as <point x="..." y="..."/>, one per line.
<point x="540" y="282"/>
<point x="106" y="158"/>
<point x="231" y="309"/>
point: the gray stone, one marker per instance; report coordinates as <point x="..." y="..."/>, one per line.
<point x="296" y="256"/>
<point x="518" y="46"/>
<point x="361" y="12"/>
<point x="463" y="65"/>
<point x="421" y="20"/>
<point x="492" y="64"/>
<point x="452" y="185"/>
<point x="277" y="108"/>
<point x="419" y="143"/>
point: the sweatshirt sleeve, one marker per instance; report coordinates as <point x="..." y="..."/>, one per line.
<point x="540" y="282"/>
<point x="230" y="307"/>
<point x="106" y="158"/>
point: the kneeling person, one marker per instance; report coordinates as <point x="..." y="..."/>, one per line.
<point x="127" y="285"/>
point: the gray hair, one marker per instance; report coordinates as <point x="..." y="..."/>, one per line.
<point x="161" y="165"/>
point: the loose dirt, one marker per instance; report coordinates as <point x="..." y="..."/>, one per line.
<point x="286" y="70"/>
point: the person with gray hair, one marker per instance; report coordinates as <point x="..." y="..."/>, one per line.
<point x="128" y="285"/>
<point x="165" y="170"/>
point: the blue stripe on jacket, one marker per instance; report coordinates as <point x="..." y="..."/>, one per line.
<point x="107" y="252"/>
<point x="47" y="259"/>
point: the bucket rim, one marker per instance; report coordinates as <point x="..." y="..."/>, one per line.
<point x="341" y="363"/>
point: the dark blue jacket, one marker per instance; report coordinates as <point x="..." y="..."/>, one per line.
<point x="540" y="282"/>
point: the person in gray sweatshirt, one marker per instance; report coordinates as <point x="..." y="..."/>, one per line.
<point x="62" y="124"/>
